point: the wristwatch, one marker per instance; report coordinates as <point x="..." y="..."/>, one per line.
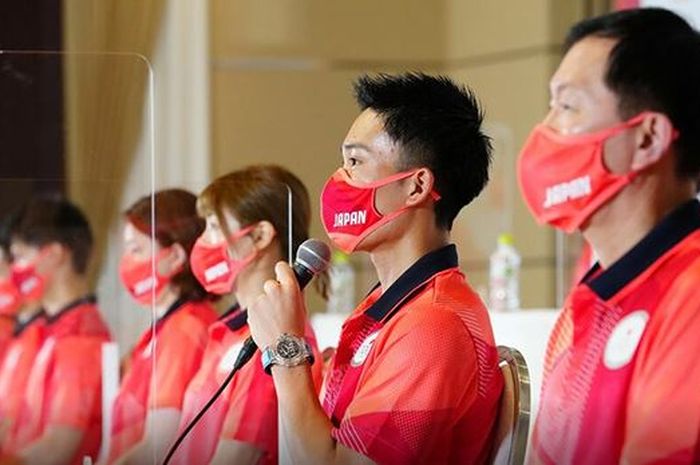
<point x="287" y="351"/>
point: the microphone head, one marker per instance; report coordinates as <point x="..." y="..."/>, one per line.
<point x="314" y="255"/>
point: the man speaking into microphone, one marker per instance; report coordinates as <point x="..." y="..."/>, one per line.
<point x="415" y="377"/>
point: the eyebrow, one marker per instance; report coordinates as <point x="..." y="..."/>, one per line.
<point x="568" y="87"/>
<point x="356" y="145"/>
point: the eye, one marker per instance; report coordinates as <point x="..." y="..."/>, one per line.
<point x="561" y="105"/>
<point x="566" y="107"/>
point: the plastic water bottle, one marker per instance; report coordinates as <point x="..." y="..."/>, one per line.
<point x="342" y="284"/>
<point x="504" y="274"/>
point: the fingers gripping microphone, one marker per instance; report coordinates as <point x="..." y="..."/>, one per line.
<point x="313" y="257"/>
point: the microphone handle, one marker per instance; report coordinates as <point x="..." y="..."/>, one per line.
<point x="304" y="276"/>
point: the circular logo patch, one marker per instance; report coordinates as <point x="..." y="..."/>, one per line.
<point x="363" y="351"/>
<point x="229" y="358"/>
<point x="624" y="339"/>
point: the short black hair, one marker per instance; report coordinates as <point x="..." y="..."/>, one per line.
<point x="437" y="124"/>
<point x="7" y="225"/>
<point x="655" y="65"/>
<point x="51" y="218"/>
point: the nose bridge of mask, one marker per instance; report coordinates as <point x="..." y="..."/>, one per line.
<point x="379" y="182"/>
<point x="599" y="136"/>
<point x="384" y="182"/>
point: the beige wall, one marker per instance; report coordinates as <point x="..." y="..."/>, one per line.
<point x="281" y="74"/>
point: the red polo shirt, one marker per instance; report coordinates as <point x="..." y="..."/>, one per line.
<point x="7" y="327"/>
<point x="15" y="369"/>
<point x="246" y="411"/>
<point x="621" y="375"/>
<point x="181" y="335"/>
<point x="415" y="378"/>
<point x="64" y="387"/>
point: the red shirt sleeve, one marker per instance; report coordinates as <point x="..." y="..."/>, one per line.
<point x="179" y="351"/>
<point x="663" y="423"/>
<point x="413" y="386"/>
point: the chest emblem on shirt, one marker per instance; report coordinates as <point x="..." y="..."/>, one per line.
<point x="624" y="339"/>
<point x="363" y="351"/>
<point x="229" y="358"/>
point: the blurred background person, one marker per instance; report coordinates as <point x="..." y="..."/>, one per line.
<point x="60" y="419"/>
<point x="155" y="270"/>
<point x="27" y="335"/>
<point x="246" y="234"/>
<point x="10" y="300"/>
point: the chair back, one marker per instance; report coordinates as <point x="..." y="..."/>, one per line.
<point x="513" y="423"/>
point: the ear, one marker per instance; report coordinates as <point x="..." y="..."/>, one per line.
<point x="420" y="186"/>
<point x="53" y="256"/>
<point x="654" y="138"/>
<point x="263" y="234"/>
<point x="179" y="256"/>
<point x="175" y="260"/>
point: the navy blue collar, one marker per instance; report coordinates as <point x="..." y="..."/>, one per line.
<point x="237" y="318"/>
<point x="675" y="227"/>
<point x="88" y="299"/>
<point x="412" y="281"/>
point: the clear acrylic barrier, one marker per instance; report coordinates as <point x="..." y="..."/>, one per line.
<point x="80" y="126"/>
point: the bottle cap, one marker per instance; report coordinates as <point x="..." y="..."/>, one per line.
<point x="506" y="239"/>
<point x="340" y="257"/>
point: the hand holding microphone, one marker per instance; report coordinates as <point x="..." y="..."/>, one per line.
<point x="280" y="309"/>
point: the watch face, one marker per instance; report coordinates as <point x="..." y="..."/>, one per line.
<point x="288" y="348"/>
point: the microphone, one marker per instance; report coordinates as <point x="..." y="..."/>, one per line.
<point x="313" y="257"/>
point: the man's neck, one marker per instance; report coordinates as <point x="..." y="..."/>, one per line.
<point x="391" y="260"/>
<point x="616" y="228"/>
<point x="63" y="292"/>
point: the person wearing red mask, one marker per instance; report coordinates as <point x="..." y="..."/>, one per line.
<point x="415" y="377"/>
<point x="155" y="270"/>
<point x="617" y="157"/>
<point x="10" y="300"/>
<point x="60" y="417"/>
<point x="27" y="335"/>
<point x="247" y="233"/>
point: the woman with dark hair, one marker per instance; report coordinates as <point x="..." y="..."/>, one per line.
<point x="247" y="233"/>
<point x="155" y="270"/>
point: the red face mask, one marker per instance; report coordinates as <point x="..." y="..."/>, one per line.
<point x="31" y="285"/>
<point x="139" y="280"/>
<point x="10" y="298"/>
<point x="348" y="209"/>
<point x="564" y="179"/>
<point x="213" y="266"/>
